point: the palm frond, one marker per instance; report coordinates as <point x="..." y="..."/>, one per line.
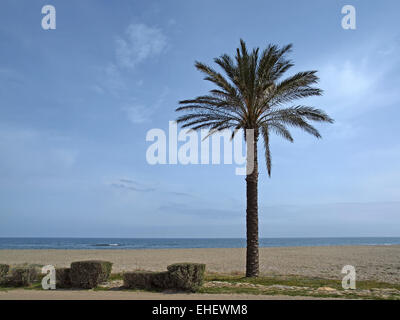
<point x="267" y="149"/>
<point x="280" y="130"/>
<point x="250" y="95"/>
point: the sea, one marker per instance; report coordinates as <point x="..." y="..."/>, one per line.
<point x="181" y="243"/>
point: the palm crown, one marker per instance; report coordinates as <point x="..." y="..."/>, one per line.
<point x="251" y="96"/>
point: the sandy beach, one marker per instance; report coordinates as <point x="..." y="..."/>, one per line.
<point x="381" y="263"/>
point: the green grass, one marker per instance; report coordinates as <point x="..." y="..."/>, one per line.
<point x="277" y="280"/>
<point x="34" y="286"/>
<point x="299" y="281"/>
<point x="5" y="289"/>
<point x="305" y="286"/>
<point x="115" y="276"/>
<point x="296" y="293"/>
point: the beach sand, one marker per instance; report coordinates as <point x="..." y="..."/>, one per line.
<point x="380" y="263"/>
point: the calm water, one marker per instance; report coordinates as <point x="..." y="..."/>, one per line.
<point x="157" y="243"/>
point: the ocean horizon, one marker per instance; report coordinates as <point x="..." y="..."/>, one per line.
<point x="184" y="243"/>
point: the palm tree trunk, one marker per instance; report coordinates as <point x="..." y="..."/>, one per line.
<point x="252" y="263"/>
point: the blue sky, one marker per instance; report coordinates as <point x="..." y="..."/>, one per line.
<point x="77" y="102"/>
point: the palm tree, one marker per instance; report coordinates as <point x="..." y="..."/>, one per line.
<point x="251" y="96"/>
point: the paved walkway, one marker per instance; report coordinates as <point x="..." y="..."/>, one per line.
<point x="21" y="294"/>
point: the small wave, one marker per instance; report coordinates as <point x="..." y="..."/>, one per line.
<point x="106" y="245"/>
<point x="377" y="244"/>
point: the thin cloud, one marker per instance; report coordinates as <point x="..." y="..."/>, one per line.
<point x="127" y="181"/>
<point x="348" y="80"/>
<point x="132" y="185"/>
<point x="180" y="194"/>
<point x="140" y="113"/>
<point x="139" y="43"/>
